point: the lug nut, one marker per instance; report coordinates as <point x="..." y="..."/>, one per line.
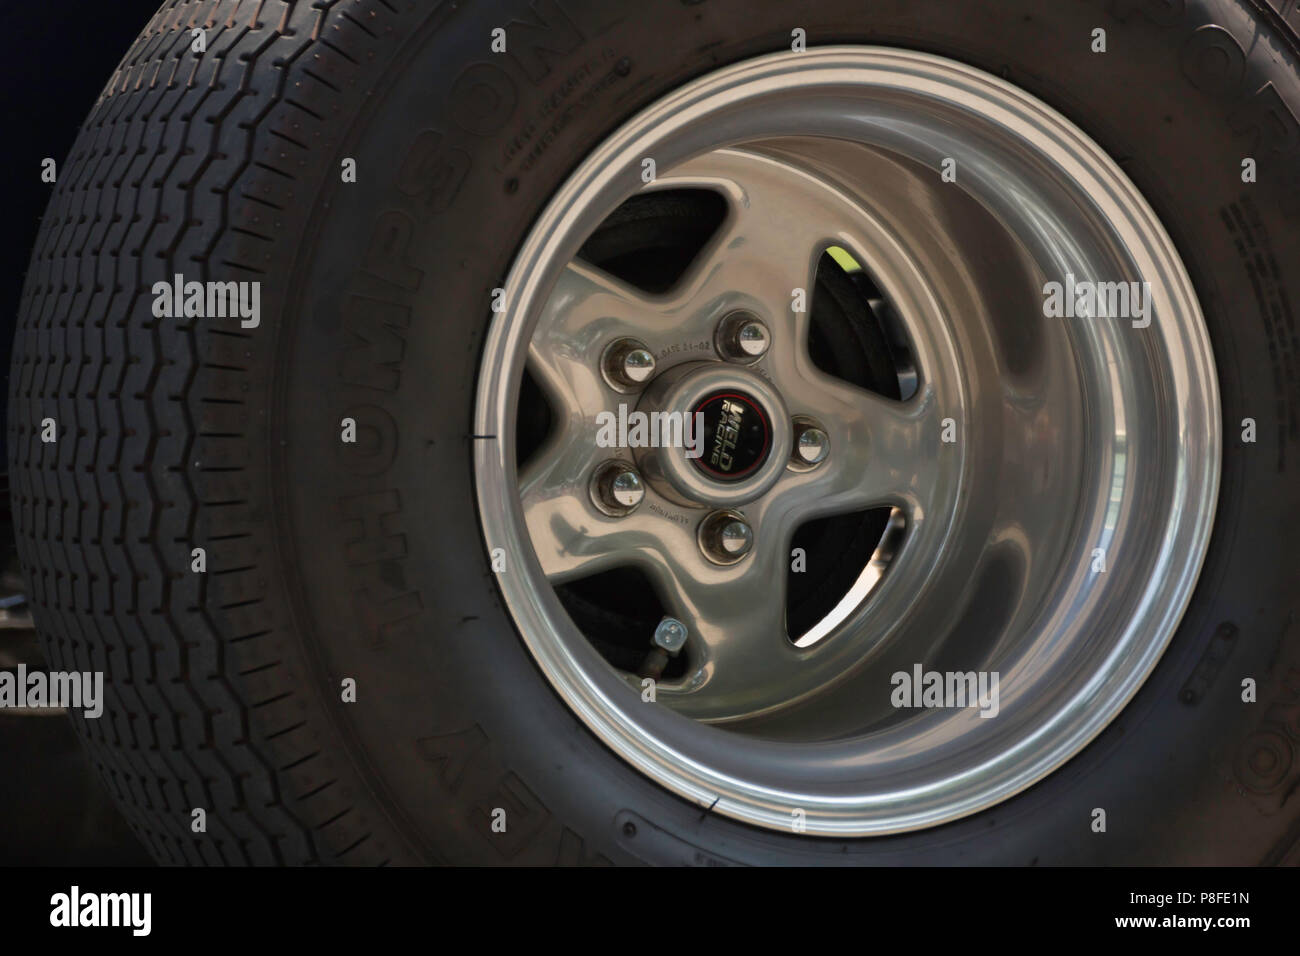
<point x="725" y="537"/>
<point x="741" y="337"/>
<point x="670" y="635"/>
<point x="617" y="488"/>
<point x="626" y="490"/>
<point x="628" y="364"/>
<point x="811" y="444"/>
<point x="735" y="539"/>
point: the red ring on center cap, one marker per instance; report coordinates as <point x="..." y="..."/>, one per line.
<point x="757" y="458"/>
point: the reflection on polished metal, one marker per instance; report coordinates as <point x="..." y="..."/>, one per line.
<point x="670" y="635"/>
<point x="616" y="488"/>
<point x="628" y="364"/>
<point x="811" y="443"/>
<point x="725" y="538"/>
<point x="1029" y="442"/>
<point x="741" y="337"/>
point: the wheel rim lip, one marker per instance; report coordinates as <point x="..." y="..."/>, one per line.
<point x="643" y="740"/>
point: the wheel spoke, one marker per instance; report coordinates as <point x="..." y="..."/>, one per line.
<point x="778" y="224"/>
<point x="571" y="537"/>
<point x="587" y="310"/>
<point x="740" y="657"/>
<point x="882" y="451"/>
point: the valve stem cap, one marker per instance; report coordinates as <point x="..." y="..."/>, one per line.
<point x="670" y="635"/>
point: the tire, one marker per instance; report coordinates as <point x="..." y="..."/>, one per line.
<point x="329" y="562"/>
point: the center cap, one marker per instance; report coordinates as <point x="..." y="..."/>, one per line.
<point x="742" y="447"/>
<point x="737" y="435"/>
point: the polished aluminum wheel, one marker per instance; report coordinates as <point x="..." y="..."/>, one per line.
<point x="1052" y="479"/>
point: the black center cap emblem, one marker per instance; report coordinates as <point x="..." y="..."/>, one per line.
<point x="737" y="436"/>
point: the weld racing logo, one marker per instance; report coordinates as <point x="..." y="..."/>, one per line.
<point x="724" y="436"/>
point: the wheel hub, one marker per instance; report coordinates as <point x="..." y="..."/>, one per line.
<point x="736" y="434"/>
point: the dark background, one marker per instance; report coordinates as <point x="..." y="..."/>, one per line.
<point x="55" y="56"/>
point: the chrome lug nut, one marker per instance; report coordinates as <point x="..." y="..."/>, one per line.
<point x="735" y="539"/>
<point x="725" y="537"/>
<point x="670" y="635"/>
<point x="627" y="364"/>
<point x="741" y="337"/>
<point x="617" y="488"/>
<point x="811" y="443"/>
<point x="626" y="489"/>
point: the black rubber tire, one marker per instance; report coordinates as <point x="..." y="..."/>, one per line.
<point x="365" y="561"/>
